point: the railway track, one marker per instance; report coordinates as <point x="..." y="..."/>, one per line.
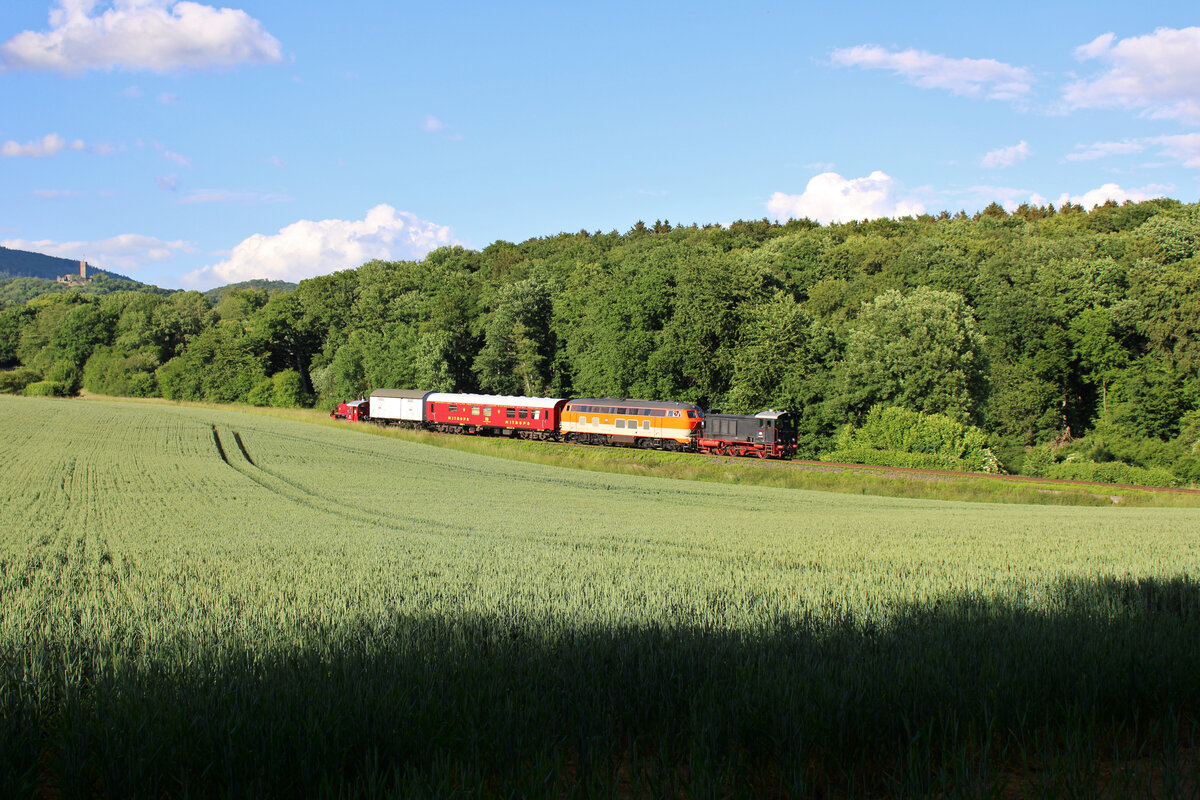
<point x="917" y="472"/>
<point x="934" y="474"/>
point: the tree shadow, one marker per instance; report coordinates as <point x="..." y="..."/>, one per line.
<point x="962" y="696"/>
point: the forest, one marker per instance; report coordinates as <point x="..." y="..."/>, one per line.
<point x="1053" y="342"/>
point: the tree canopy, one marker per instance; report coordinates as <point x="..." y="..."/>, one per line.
<point x="1035" y="326"/>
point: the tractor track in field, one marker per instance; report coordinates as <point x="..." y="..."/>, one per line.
<point x="300" y="494"/>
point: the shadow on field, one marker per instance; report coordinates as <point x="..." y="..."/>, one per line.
<point x="1089" y="685"/>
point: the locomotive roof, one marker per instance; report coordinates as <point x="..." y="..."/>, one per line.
<point x="406" y="394"/>
<point x="494" y="399"/>
<point x="625" y="401"/>
<point x="770" y="413"/>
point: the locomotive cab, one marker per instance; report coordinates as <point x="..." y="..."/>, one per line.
<point x="768" y="434"/>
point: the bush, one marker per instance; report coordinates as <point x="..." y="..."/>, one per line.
<point x="1110" y="472"/>
<point x="287" y="390"/>
<point x="1038" y="462"/>
<point x="14" y="381"/>
<point x="46" y="389"/>
<point x="896" y="437"/>
<point x="260" y="395"/>
<point x="66" y="374"/>
<point x="118" y="374"/>
<point x="893" y="458"/>
<point x="177" y="381"/>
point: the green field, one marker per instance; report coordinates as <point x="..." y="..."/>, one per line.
<point x="200" y="602"/>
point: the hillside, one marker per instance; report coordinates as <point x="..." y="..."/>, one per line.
<point x="214" y="295"/>
<point x="26" y="264"/>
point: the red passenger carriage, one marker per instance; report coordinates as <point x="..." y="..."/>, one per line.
<point x="505" y="415"/>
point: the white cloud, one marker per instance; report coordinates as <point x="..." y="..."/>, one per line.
<point x="126" y="253"/>
<point x="47" y="194"/>
<point x="431" y="124"/>
<point x="831" y="198"/>
<point x="168" y="183"/>
<point x="1182" y="148"/>
<point x="307" y="248"/>
<point x="1158" y="73"/>
<point x="1111" y="191"/>
<point x="226" y="196"/>
<point x="49" y="145"/>
<point x="1185" y="148"/>
<point x="140" y="34"/>
<point x="1092" y="152"/>
<point x="173" y="157"/>
<point x="970" y="77"/>
<point x="1006" y="156"/>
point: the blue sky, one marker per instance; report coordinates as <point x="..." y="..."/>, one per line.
<point x="190" y="144"/>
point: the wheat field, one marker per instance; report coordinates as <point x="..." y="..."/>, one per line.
<point x="199" y="601"/>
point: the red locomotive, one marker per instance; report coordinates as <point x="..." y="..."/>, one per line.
<point x="355" y="411"/>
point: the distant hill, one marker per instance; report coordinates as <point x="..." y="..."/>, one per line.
<point x="215" y="295"/>
<point x="25" y="264"/>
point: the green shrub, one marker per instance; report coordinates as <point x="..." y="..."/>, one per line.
<point x="287" y="390"/>
<point x="66" y="374"/>
<point x="896" y="437"/>
<point x="893" y="458"/>
<point x="14" y="381"/>
<point x="260" y="395"/>
<point x="118" y="374"/>
<point x="46" y="389"/>
<point x="1038" y="461"/>
<point x="1110" y="472"/>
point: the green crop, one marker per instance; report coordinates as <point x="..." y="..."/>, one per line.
<point x="209" y="602"/>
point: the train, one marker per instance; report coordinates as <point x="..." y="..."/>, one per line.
<point x="606" y="421"/>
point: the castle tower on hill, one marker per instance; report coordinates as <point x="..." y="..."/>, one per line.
<point x="76" y="280"/>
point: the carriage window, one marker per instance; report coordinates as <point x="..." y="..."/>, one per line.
<point x="511" y="413"/>
<point x="487" y="411"/>
<point x="657" y="412"/>
<point x="475" y="410"/>
<point x="691" y="414"/>
<point x="537" y="413"/>
<point x="620" y="423"/>
<point x="452" y="408"/>
<point x="524" y="413"/>
<point x="645" y="424"/>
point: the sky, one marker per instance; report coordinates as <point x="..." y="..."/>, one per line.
<point x="190" y="145"/>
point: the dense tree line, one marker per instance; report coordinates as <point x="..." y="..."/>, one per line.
<point x="1065" y="327"/>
